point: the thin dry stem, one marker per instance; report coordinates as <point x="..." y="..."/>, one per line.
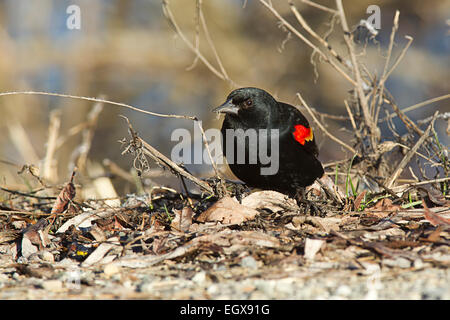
<point x="10" y="93"/>
<point x="49" y="170"/>
<point x="332" y="137"/>
<point x="319" y="6"/>
<point x="161" y="159"/>
<point x="375" y="133"/>
<point x="211" y="43"/>
<point x="305" y="40"/>
<point x="168" y="13"/>
<point x="384" y="76"/>
<point x="390" y="181"/>
<point x="306" y="26"/>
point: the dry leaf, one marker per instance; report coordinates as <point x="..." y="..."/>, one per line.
<point x="228" y="210"/>
<point x="327" y="223"/>
<point x="66" y="194"/>
<point x="312" y="246"/>
<point x="435" y="236"/>
<point x="272" y="200"/>
<point x="359" y="199"/>
<point x="27" y="248"/>
<point x="382" y="208"/>
<point x="100" y="252"/>
<point x="84" y="219"/>
<point x="434" y="218"/>
<point x="183" y="219"/>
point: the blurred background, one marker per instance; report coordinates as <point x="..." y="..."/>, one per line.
<point x="127" y="51"/>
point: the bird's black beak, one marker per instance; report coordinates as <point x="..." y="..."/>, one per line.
<point x="228" y="107"/>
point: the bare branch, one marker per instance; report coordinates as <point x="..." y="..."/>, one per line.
<point x="305" y="40"/>
<point x="332" y="137"/>
<point x="375" y="132"/>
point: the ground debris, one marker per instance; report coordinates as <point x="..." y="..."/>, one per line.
<point x="237" y="237"/>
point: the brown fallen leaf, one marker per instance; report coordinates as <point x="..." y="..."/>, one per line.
<point x="435" y="236"/>
<point x="33" y="235"/>
<point x="66" y="194"/>
<point x="433" y="218"/>
<point x="359" y="199"/>
<point x="272" y="200"/>
<point x="183" y="219"/>
<point x="382" y="208"/>
<point x="433" y="194"/>
<point x="227" y="210"/>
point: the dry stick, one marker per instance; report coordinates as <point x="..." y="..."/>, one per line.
<point x="390" y="181"/>
<point x="117" y="104"/>
<point x="400" y="57"/>
<point x="359" y="81"/>
<point x="352" y="120"/>
<point x="410" y="185"/>
<point x="319" y="6"/>
<point x="155" y="154"/>
<point x="96" y="100"/>
<point x="402" y="54"/>
<point x="211" y="43"/>
<point x="322" y="127"/>
<point x="224" y="190"/>
<point x="418" y="105"/>
<point x="168" y="13"/>
<point x="304" y="39"/>
<point x="88" y="135"/>
<point x="410" y="124"/>
<point x="313" y="33"/>
<point x="197" y="35"/>
<point x="163" y="160"/>
<point x="386" y="66"/>
<point x="55" y="122"/>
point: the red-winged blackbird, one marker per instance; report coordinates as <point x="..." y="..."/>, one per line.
<point x="253" y="108"/>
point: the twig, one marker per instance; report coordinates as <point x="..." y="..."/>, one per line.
<point x="402" y="54"/>
<point x="96" y="100"/>
<point x="139" y="144"/>
<point x="211" y="43"/>
<point x="168" y="13"/>
<point x="322" y="127"/>
<point x="405" y="119"/>
<point x="352" y="120"/>
<point x="197" y="35"/>
<point x="305" y="40"/>
<point x="88" y="135"/>
<point x="386" y="66"/>
<point x="313" y="33"/>
<point x="420" y="183"/>
<point x="375" y="133"/>
<point x="49" y="171"/>
<point x="390" y="181"/>
<point x="418" y="105"/>
<point x="205" y="141"/>
<point x="319" y="6"/>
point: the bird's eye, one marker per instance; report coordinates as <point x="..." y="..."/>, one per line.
<point x="248" y="103"/>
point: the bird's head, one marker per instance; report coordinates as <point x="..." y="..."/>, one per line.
<point x="248" y="104"/>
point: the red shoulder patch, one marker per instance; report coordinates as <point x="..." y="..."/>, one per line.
<point x="303" y="134"/>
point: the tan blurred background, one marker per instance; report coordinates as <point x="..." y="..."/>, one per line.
<point x="128" y="52"/>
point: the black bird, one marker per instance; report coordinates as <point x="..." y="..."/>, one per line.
<point x="253" y="108"/>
